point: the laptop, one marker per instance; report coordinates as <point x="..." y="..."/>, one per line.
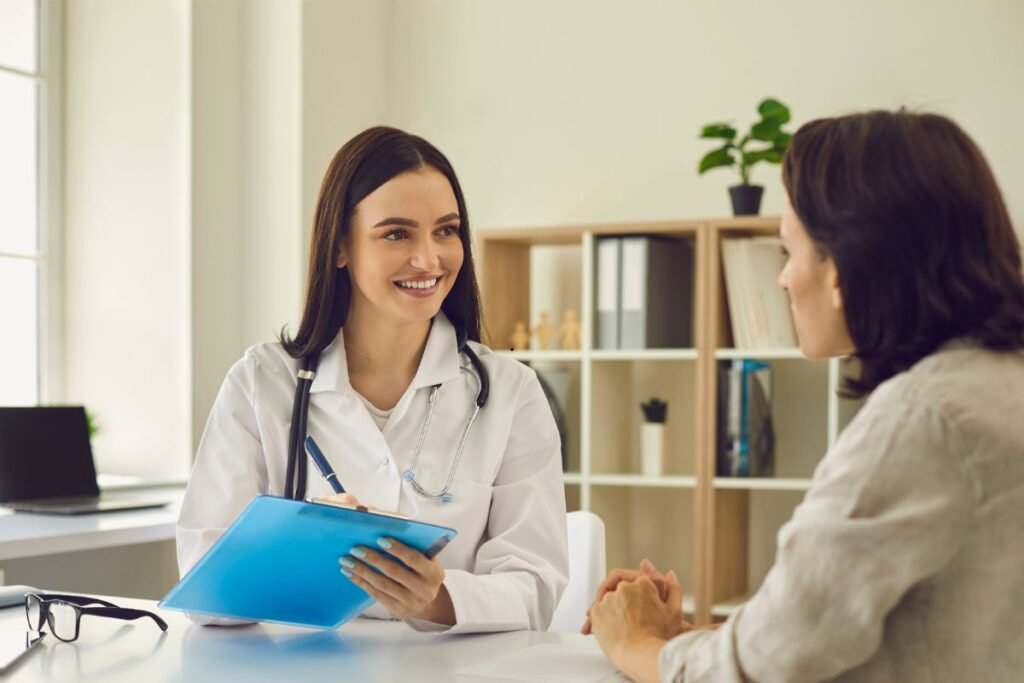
<point x="46" y="465"/>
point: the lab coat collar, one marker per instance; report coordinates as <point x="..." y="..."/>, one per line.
<point x="439" y="364"/>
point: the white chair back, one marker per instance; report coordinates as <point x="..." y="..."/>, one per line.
<point x="586" y="571"/>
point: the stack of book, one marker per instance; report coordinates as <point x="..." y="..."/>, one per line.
<point x="746" y="436"/>
<point x="644" y="293"/>
<point x="758" y="307"/>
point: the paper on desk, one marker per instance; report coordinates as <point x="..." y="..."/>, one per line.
<point x="547" y="664"/>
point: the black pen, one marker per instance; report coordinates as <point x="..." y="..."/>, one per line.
<point x="321" y="464"/>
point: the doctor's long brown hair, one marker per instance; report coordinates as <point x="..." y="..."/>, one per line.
<point x="363" y="164"/>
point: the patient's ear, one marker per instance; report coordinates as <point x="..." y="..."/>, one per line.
<point x="342" y="259"/>
<point x="837" y="292"/>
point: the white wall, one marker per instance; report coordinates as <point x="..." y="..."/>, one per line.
<point x="127" y="311"/>
<point x="579" y="110"/>
<point x="217" y="145"/>
<point x="198" y="133"/>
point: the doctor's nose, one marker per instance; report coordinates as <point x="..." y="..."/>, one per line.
<point x="426" y="256"/>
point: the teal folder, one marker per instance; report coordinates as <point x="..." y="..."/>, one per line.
<point x="278" y="562"/>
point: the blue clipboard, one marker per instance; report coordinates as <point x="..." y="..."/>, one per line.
<point x="278" y="562"/>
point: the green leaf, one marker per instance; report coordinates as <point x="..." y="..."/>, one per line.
<point x="716" y="158"/>
<point x="781" y="140"/>
<point x="766" y="130"/>
<point x="771" y="108"/>
<point x="772" y="156"/>
<point x="718" y="130"/>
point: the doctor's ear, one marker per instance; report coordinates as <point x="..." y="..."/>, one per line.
<point x="342" y="259"/>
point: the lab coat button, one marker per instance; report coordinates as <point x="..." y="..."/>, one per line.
<point x="384" y="462"/>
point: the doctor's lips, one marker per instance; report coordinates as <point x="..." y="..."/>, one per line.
<point x="421" y="285"/>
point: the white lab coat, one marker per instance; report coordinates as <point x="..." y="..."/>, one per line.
<point x="508" y="565"/>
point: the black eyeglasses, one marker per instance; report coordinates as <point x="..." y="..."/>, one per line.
<point x="63" y="613"/>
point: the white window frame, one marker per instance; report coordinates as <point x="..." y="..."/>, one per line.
<point x="49" y="253"/>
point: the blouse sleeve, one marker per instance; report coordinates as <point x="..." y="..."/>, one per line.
<point x="888" y="508"/>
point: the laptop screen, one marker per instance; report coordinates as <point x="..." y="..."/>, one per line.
<point x="45" y="453"/>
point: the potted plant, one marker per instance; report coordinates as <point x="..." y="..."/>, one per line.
<point x="746" y="198"/>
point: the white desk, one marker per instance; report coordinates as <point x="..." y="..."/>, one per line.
<point x="363" y="650"/>
<point x="30" y="535"/>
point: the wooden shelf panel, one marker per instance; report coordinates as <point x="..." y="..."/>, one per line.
<point x="652" y="523"/>
<point x="684" y="482"/>
<point x="759" y="354"/>
<point x="550" y="356"/>
<point x="616" y="418"/>
<point x="762" y="483"/>
<point x="644" y="354"/>
<point x="725" y="608"/>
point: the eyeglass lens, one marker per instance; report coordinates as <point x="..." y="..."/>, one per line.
<point x="33" y="613"/>
<point x="63" y="619"/>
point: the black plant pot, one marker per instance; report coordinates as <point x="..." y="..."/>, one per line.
<point x="746" y="199"/>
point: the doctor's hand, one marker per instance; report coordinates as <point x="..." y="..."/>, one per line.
<point x="633" y="622"/>
<point x="405" y="581"/>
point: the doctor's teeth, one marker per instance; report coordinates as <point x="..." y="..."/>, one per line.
<point x="418" y="284"/>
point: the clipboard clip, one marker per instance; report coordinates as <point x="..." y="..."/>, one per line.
<point x="357" y="508"/>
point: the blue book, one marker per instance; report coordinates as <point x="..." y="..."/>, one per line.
<point x="746" y="436"/>
<point x="278" y="562"/>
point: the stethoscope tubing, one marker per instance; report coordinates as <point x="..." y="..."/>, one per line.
<point x="295" y="473"/>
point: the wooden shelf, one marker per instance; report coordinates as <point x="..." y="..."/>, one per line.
<point x="762" y="483"/>
<point x="759" y="354"/>
<point x="724" y="609"/>
<point x="644" y="354"/>
<point x="664" y="481"/>
<point x="544" y="356"/>
<point x="717" y="533"/>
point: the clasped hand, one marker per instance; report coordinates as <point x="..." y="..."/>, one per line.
<point x="635" y="613"/>
<point x="402" y="579"/>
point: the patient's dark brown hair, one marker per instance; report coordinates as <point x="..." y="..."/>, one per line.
<point x="908" y="208"/>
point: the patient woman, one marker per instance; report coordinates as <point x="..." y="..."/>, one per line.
<point x="905" y="561"/>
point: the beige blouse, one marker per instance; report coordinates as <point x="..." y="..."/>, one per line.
<point x="905" y="561"/>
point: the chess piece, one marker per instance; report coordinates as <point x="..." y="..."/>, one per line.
<point x="520" y="339"/>
<point x="569" y="332"/>
<point x="543" y="332"/>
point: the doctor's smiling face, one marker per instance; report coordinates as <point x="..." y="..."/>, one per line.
<point x="403" y="251"/>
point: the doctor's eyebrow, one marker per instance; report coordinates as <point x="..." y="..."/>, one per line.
<point x="409" y="223"/>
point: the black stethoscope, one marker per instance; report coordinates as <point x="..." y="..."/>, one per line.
<point x="295" y="475"/>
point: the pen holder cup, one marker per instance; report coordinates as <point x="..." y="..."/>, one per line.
<point x="652" y="448"/>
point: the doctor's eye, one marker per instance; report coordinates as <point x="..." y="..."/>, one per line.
<point x="448" y="230"/>
<point x="396" y="235"/>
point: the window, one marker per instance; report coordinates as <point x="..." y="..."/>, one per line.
<point x="23" y="229"/>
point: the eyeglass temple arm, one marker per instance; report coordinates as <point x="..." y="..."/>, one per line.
<point x="79" y="600"/>
<point x="126" y="614"/>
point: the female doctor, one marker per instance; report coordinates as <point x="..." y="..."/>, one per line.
<point x="391" y="301"/>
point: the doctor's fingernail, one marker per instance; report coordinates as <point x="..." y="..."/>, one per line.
<point x="345" y="562"/>
<point x="359" y="552"/>
<point x="346" y="572"/>
<point x="384" y="543"/>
